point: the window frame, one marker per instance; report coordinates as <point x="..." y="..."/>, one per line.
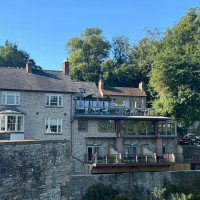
<point x="48" y="100"/>
<point x="16" y="123"/>
<point x="5" y="93"/>
<point x="107" y="121"/>
<point x="84" y="128"/>
<point x="48" y="122"/>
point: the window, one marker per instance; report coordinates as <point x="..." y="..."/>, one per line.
<point x="53" y="100"/>
<point x="11" y="123"/>
<point x="141" y="128"/>
<point x="162" y="128"/>
<point x="91" y="150"/>
<point x="170" y="129"/>
<point x="10" y="98"/>
<point x="82" y="90"/>
<point x="164" y="149"/>
<point x="53" y="125"/>
<point x="150" y="128"/>
<point x="131" y="127"/>
<point x="82" y="125"/>
<point x="107" y="125"/>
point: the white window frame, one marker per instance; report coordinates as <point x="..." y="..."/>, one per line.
<point x="5" y="94"/>
<point x="16" y="123"/>
<point x="48" y="120"/>
<point x="48" y="98"/>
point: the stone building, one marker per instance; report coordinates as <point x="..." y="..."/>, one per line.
<point x="48" y="105"/>
<point x="136" y="97"/>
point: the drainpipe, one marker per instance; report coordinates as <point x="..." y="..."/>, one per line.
<point x="71" y="121"/>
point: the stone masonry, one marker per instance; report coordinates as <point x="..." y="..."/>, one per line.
<point x="34" y="170"/>
<point x="33" y="104"/>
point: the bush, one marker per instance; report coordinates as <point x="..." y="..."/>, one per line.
<point x="102" y="192"/>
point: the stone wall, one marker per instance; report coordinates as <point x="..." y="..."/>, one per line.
<point x="33" y="104"/>
<point x="139" y="183"/>
<point x="34" y="170"/>
<point x="93" y="137"/>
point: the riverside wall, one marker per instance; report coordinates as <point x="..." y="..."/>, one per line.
<point x="34" y="170"/>
<point x="40" y="170"/>
<point x="141" y="184"/>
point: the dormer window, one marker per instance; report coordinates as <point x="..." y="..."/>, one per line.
<point x="82" y="90"/>
<point x="10" y="98"/>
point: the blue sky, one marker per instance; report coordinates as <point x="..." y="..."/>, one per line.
<point x="42" y="27"/>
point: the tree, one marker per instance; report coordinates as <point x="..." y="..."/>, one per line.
<point x="86" y="53"/>
<point x="11" y="56"/>
<point x="175" y="75"/>
<point x="120" y="48"/>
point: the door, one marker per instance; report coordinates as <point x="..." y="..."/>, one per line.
<point x="91" y="150"/>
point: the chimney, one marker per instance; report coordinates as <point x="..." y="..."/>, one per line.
<point x="141" y="86"/>
<point x="101" y="86"/>
<point x="65" y="67"/>
<point x="29" y="67"/>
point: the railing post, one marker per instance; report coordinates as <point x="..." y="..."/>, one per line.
<point x="155" y="156"/>
<point x="95" y="158"/>
<point x="116" y="159"/>
<point x="173" y="157"/>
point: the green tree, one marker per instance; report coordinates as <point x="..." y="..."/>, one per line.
<point x="12" y="56"/>
<point x="175" y="75"/>
<point x="86" y="53"/>
<point x="120" y="46"/>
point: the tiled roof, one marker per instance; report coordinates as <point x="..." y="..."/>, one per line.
<point x="123" y="91"/>
<point x="42" y="80"/>
<point x="90" y="89"/>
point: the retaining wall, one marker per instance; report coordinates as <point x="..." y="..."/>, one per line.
<point x="34" y="170"/>
<point x="141" y="184"/>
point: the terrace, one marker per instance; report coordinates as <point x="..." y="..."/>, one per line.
<point x="135" y="162"/>
<point x="138" y="159"/>
<point x="96" y="107"/>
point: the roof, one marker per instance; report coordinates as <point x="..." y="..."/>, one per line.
<point x="90" y="89"/>
<point x="148" y="118"/>
<point x="10" y="110"/>
<point x="123" y="91"/>
<point x="19" y="79"/>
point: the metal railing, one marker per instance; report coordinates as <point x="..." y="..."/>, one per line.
<point x="142" y="159"/>
<point x="119" y="111"/>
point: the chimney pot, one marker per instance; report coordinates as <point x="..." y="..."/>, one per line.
<point x="65" y="67"/>
<point x="141" y="86"/>
<point x="29" y="67"/>
<point x="101" y="86"/>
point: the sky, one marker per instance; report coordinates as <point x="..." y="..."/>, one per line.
<point x="43" y="27"/>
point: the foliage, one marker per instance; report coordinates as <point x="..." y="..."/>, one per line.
<point x="120" y="48"/>
<point x="86" y="53"/>
<point x="11" y="56"/>
<point x="101" y="192"/>
<point x="175" y="75"/>
<point x="183" y="186"/>
<point x="159" y="193"/>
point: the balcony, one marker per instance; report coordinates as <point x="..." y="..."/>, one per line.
<point x="117" y="163"/>
<point x="113" y="111"/>
<point x="145" y="159"/>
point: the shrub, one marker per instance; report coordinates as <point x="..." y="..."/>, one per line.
<point x="102" y="192"/>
